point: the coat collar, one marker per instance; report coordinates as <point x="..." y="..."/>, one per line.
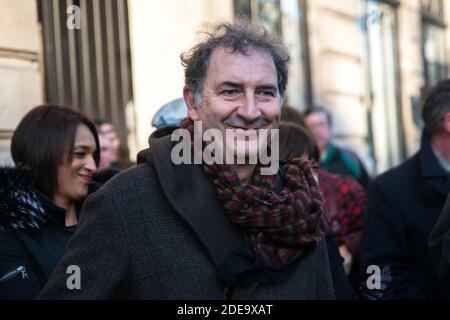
<point x="22" y="207"/>
<point x="193" y="197"/>
<point x="432" y="172"/>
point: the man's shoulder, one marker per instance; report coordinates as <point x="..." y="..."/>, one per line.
<point x="130" y="179"/>
<point x="141" y="169"/>
<point x="399" y="175"/>
<point x="343" y="151"/>
<point x="129" y="191"/>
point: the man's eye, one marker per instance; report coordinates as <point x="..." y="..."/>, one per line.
<point x="230" y="93"/>
<point x="266" y="93"/>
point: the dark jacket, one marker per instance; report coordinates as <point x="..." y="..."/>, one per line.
<point x="32" y="235"/>
<point x="439" y="244"/>
<point x="342" y="286"/>
<point x="345" y="162"/>
<point x="102" y="176"/>
<point x="404" y="205"/>
<point x="157" y="231"/>
<point x="346" y="202"/>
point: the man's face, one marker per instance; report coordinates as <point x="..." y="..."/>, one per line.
<point x="240" y="92"/>
<point x="318" y="124"/>
<point x="446" y="123"/>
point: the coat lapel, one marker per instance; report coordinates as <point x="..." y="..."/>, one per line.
<point x="194" y="198"/>
<point x="434" y="175"/>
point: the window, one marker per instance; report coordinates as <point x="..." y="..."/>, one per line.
<point x="385" y="119"/>
<point x="285" y="19"/>
<point x="264" y="12"/>
<point x="434" y="9"/>
<point x="433" y="41"/>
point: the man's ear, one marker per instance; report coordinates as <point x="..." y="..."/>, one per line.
<point x="446" y="122"/>
<point x="188" y="96"/>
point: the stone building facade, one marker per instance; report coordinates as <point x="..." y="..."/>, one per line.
<point x="368" y="61"/>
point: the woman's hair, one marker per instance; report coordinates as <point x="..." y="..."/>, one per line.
<point x="45" y="138"/>
<point x="290" y="114"/>
<point x="296" y="141"/>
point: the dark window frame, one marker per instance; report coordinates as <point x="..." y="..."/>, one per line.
<point x="432" y="19"/>
<point x="398" y="94"/>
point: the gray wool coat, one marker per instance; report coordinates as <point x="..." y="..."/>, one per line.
<point x="157" y="231"/>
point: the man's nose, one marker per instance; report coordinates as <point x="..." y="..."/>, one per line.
<point x="249" y="110"/>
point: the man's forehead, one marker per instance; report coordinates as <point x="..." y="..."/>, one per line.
<point x="233" y="66"/>
<point x="316" y="117"/>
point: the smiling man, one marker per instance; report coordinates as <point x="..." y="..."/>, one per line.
<point x="209" y="230"/>
<point x="240" y="94"/>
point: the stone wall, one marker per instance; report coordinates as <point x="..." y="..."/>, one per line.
<point x="21" y="85"/>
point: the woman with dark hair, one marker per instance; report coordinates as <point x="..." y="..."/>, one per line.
<point x="291" y="114"/>
<point x="56" y="152"/>
<point x="344" y="197"/>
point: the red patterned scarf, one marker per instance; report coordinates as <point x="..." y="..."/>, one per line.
<point x="281" y="226"/>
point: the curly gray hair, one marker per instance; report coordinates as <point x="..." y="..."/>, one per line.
<point x="240" y="37"/>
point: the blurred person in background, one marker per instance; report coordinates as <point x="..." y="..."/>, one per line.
<point x="405" y="203"/>
<point x="344" y="197"/>
<point x="109" y="152"/>
<point x="109" y="134"/>
<point x="56" y="152"/>
<point x="334" y="159"/>
<point x="290" y="114"/>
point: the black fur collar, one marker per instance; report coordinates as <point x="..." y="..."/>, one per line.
<point x="21" y="205"/>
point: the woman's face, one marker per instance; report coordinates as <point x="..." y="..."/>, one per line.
<point x="75" y="176"/>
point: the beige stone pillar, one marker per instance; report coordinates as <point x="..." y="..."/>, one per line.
<point x="411" y="68"/>
<point x="337" y="68"/>
<point x="20" y="72"/>
<point x="160" y="31"/>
